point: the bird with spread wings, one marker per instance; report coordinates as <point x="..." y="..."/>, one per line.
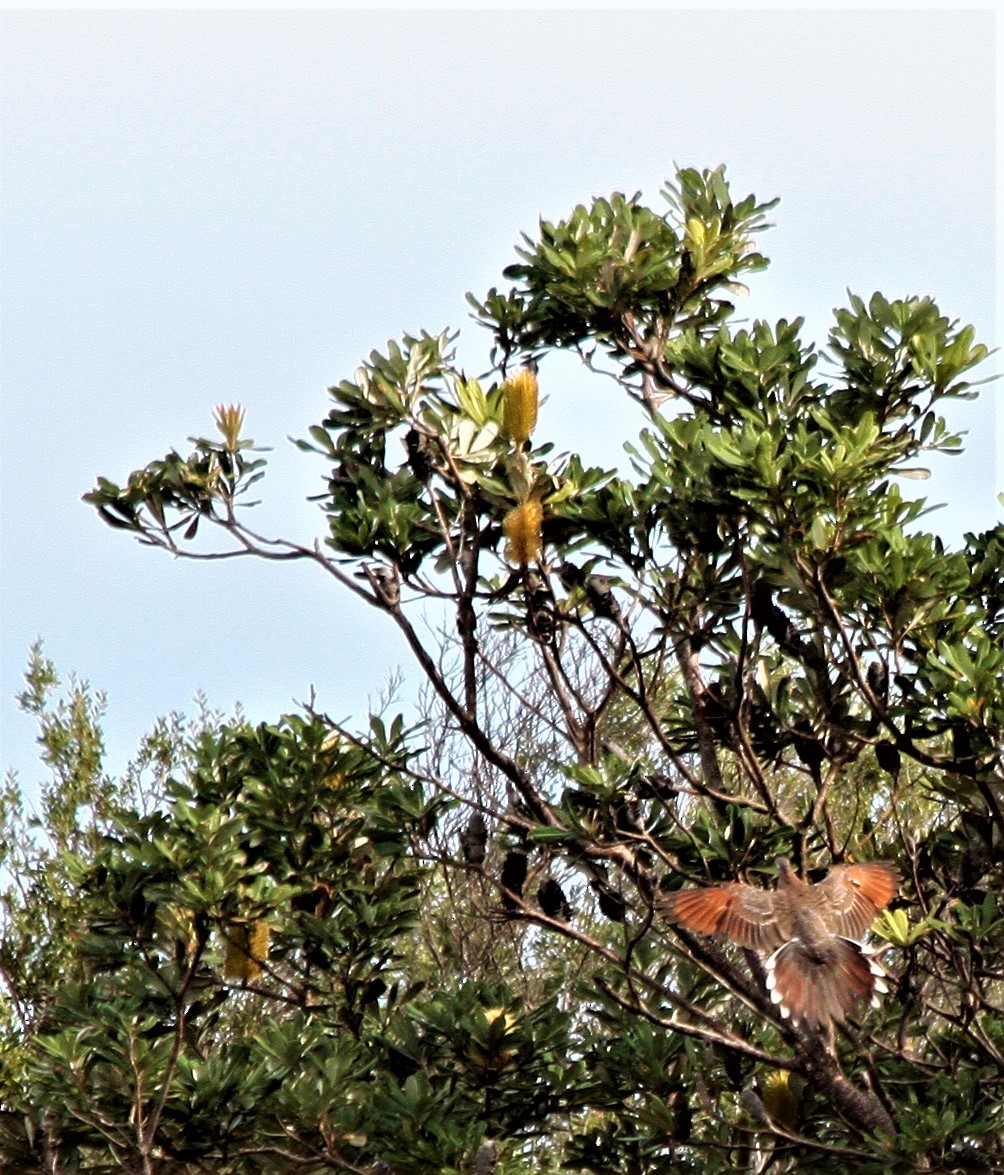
<point x="817" y="967"/>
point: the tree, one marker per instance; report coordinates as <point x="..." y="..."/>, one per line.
<point x="446" y="947"/>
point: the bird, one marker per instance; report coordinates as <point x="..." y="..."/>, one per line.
<point x="818" y="967"/>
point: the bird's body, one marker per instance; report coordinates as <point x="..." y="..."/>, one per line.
<point x="816" y="968"/>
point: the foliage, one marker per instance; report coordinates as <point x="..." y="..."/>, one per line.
<point x="445" y="951"/>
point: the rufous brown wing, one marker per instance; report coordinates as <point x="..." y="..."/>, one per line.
<point x="816" y="969"/>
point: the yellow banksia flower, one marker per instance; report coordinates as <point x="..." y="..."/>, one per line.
<point x="259" y="934"/>
<point x="780" y="1099"/>
<point x="235" y="959"/>
<point x="520" y="406"/>
<point x="230" y="420"/>
<point x="247" y="950"/>
<point x="521" y="526"/>
<point x="493" y="1014"/>
<point x="490" y="1053"/>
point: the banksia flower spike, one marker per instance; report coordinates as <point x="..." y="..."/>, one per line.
<point x="521" y="527"/>
<point x="235" y="957"/>
<point x="259" y="934"/>
<point x="247" y="950"/>
<point x="520" y="406"/>
<point x="780" y="1099"/>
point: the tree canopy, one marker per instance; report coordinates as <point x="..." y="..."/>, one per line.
<point x="439" y="943"/>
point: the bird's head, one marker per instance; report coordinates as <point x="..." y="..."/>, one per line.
<point x="784" y="869"/>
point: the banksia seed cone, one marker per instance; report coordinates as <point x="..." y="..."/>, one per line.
<point x="553" y="901"/>
<point x="513" y="878"/>
<point x="521" y="527"/>
<point x="474" y="840"/>
<point x="520" y="406"/>
<point x="486" y="1160"/>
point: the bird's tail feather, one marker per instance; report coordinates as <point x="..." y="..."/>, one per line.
<point x="816" y="987"/>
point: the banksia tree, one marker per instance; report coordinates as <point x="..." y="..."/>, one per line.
<point x="743" y="649"/>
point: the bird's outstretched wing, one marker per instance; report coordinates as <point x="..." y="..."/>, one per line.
<point x="746" y="915"/>
<point x="853" y="894"/>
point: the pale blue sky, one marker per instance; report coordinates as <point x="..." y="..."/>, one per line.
<point x="207" y="207"/>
